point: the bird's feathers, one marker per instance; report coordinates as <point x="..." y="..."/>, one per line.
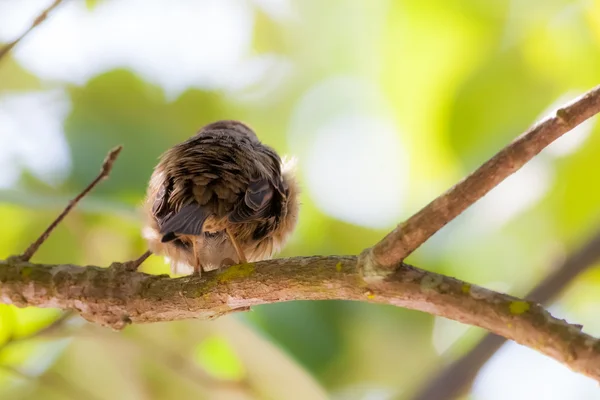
<point x="256" y="203"/>
<point x="221" y="178"/>
<point x="187" y="221"/>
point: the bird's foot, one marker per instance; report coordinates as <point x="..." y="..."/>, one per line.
<point x="197" y="272"/>
<point x="237" y="247"/>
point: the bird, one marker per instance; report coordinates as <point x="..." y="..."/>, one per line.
<point x="220" y="198"/>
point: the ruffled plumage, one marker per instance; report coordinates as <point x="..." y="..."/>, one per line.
<point x="221" y="179"/>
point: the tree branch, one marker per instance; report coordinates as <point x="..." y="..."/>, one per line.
<point x="412" y="233"/>
<point x="457" y="376"/>
<point x="36" y="22"/>
<point x="116" y="297"/>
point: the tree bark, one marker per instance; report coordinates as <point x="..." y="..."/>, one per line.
<point x="115" y="297"/>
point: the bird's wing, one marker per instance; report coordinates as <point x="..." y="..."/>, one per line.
<point x="160" y="206"/>
<point x="187" y="221"/>
<point x="256" y="202"/>
<point x="263" y="195"/>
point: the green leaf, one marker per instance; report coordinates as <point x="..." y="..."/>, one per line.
<point x="91" y="4"/>
<point x="119" y="108"/>
<point x="309" y="331"/>
<point x="29" y="320"/>
<point x="14" y="78"/>
<point x="217" y="356"/>
<point x="7" y="322"/>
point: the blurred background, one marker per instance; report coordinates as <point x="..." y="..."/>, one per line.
<point x="385" y="104"/>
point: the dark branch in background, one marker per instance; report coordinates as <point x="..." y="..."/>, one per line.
<point x="104" y="172"/>
<point x="412" y="233"/>
<point x="457" y="377"/>
<point x="36" y="22"/>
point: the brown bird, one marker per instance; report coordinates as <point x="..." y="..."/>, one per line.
<point x="220" y="198"/>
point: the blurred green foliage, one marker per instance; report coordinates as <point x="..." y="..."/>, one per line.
<point x="460" y="78"/>
<point x="219" y="359"/>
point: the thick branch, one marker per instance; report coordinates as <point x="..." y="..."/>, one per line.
<point x="115" y="297"/>
<point x="408" y="236"/>
<point x="456" y="377"/>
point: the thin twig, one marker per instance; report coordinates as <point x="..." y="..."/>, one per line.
<point x="36" y="22"/>
<point x="106" y="167"/>
<point x="132" y="265"/>
<point x="458" y="376"/>
<point x="408" y="236"/>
